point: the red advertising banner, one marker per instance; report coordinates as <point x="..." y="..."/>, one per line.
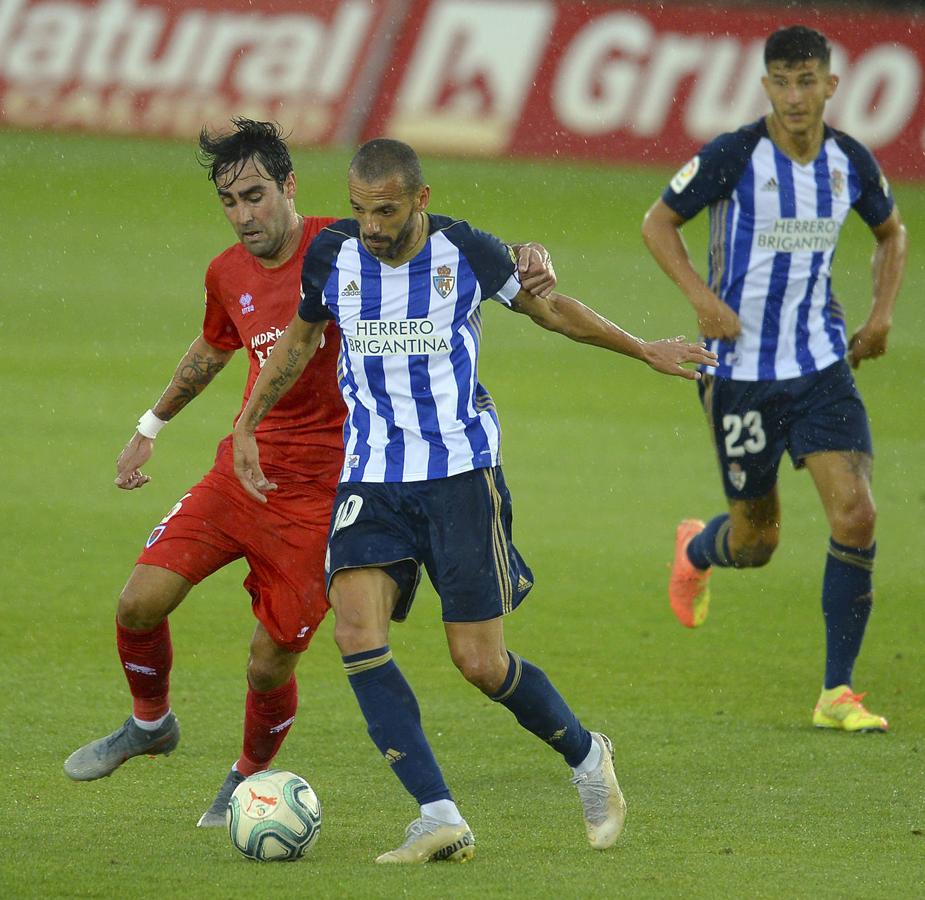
<point x="542" y="78"/>
<point x="609" y="83"/>
<point x="166" y="68"/>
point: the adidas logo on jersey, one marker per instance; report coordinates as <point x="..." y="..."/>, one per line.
<point x="352" y="290"/>
<point x="770" y="185"/>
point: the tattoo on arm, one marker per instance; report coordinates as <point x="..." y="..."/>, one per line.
<point x="280" y="382"/>
<point x="193" y="374"/>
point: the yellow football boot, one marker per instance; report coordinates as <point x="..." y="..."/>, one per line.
<point x="840" y="708"/>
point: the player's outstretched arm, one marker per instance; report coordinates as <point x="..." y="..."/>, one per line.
<point x="661" y="231"/>
<point x="578" y="322"/>
<point x="201" y="363"/>
<point x="290" y="356"/>
<point x="889" y="263"/>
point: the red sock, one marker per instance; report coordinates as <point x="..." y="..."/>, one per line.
<point x="146" y="658"/>
<point x="267" y="717"/>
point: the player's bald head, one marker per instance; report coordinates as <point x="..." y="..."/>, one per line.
<point x="383" y="158"/>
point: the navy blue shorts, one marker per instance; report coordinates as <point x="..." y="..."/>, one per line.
<point x="458" y="528"/>
<point x="754" y="422"/>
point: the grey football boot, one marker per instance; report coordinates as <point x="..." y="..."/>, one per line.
<point x="429" y="840"/>
<point x="214" y="816"/>
<point x="102" y="757"/>
<point x="601" y="798"/>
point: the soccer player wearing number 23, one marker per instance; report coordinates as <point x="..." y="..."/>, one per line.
<point x="778" y="192"/>
<point x="421" y="483"/>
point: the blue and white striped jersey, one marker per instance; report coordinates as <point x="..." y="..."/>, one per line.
<point x="409" y="348"/>
<point x="774" y="225"/>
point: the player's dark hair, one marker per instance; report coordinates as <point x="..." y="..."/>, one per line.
<point x="797" y="44"/>
<point x="382" y="158"/>
<point x="262" y="141"/>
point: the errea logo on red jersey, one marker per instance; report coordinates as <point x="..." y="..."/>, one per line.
<point x="247" y="304"/>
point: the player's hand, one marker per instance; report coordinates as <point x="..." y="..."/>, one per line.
<point x="717" y="321"/>
<point x="536" y="271"/>
<point x="868" y="342"/>
<point x="247" y="466"/>
<point x="128" y="466"/>
<point x="670" y="355"/>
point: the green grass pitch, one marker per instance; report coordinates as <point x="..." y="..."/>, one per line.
<point x="731" y="792"/>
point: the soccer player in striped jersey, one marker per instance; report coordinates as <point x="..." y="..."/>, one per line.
<point x="252" y="291"/>
<point x="421" y="483"/>
<point x="778" y="192"/>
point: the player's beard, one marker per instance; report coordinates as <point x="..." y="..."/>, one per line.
<point x="397" y="245"/>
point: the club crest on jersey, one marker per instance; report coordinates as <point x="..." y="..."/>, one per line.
<point x="838" y="183"/>
<point x="444" y="281"/>
<point x="247" y="304"/>
<point x="737" y="476"/>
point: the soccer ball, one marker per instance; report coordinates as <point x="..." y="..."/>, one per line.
<point x="274" y="815"/>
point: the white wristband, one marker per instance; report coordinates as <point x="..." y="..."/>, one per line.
<point x="149" y="425"/>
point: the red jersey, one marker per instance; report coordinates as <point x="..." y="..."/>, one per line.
<point x="249" y="305"/>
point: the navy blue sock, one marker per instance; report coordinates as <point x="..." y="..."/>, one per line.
<point x="539" y="707"/>
<point x="394" y="722"/>
<point x="847" y="598"/>
<point x="711" y="546"/>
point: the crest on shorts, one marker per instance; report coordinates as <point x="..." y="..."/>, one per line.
<point x="158" y="531"/>
<point x="838" y="183"/>
<point x="736" y="476"/>
<point x="444" y="281"/>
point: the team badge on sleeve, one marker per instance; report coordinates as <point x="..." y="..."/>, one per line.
<point x="444" y="281"/>
<point x="685" y="175"/>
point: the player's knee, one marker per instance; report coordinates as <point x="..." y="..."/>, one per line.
<point x="266" y="674"/>
<point x="854" y="525"/>
<point x="259" y="676"/>
<point x="149" y="596"/>
<point x="138" y="610"/>
<point x="486" y="671"/>
<point x="353" y="636"/>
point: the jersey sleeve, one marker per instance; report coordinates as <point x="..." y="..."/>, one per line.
<point x="874" y="201"/>
<point x="317" y="268"/>
<point x="493" y="263"/>
<point x="711" y="175"/>
<point x="217" y="327"/>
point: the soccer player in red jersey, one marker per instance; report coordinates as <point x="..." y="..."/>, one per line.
<point x="252" y="292"/>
